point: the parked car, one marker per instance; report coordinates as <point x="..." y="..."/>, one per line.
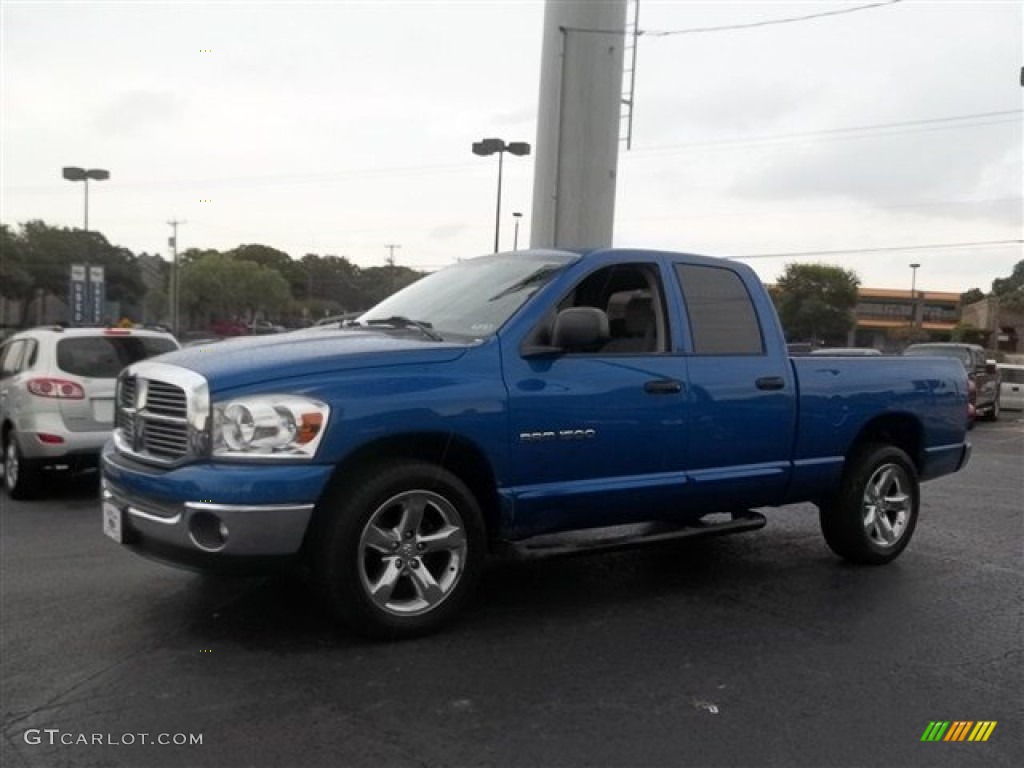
<point x="511" y="400"/>
<point x="57" y="396"/>
<point x="1011" y="386"/>
<point x="228" y="328"/>
<point x="981" y="371"/>
<point x="258" y="327"/>
<point x="848" y="351"/>
<point x="336" y="321"/>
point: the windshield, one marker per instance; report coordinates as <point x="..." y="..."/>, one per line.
<point x="472" y="299"/>
<point x="960" y="353"/>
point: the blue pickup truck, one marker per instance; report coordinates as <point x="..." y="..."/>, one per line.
<point x="539" y="400"/>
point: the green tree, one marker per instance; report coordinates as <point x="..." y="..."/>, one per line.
<point x="1010" y="290"/>
<point x="815" y="301"/>
<point x="263" y="255"/>
<point x="219" y="286"/>
<point x="971" y="296"/>
<point x="15" y="280"/>
<point x="46" y="254"/>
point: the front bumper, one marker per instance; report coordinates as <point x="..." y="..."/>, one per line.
<point x="204" y="515"/>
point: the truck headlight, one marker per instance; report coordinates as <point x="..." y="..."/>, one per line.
<point x="268" y="426"/>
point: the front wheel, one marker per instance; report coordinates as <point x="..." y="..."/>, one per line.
<point x="401" y="549"/>
<point x="871" y="518"/>
<point x="993" y="412"/>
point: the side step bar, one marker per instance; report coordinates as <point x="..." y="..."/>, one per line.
<point x="628" y="536"/>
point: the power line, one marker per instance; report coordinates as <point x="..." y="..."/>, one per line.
<point x="858" y="131"/>
<point x="766" y="22"/>
<point x="933" y="247"/>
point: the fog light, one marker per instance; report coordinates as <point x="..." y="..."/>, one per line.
<point x="207" y="531"/>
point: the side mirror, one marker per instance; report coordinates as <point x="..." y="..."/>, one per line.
<point x="580" y="328"/>
<point x="990" y="367"/>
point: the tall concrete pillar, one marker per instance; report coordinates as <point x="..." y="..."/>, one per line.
<point x="578" y="124"/>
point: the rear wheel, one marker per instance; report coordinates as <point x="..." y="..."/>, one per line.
<point x="872" y="517"/>
<point x="400" y="551"/>
<point x="22" y="477"/>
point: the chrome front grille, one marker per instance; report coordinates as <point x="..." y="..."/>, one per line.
<point x="166" y="399"/>
<point x="162" y="413"/>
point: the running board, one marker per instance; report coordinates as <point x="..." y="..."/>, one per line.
<point x="628" y="536"/>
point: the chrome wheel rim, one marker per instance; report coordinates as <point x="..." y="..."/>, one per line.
<point x="887" y="505"/>
<point x="11" y="465"/>
<point x="412" y="552"/>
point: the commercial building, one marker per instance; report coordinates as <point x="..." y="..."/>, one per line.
<point x="888" y="319"/>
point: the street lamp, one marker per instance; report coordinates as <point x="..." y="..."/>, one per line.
<point x="515" y="239"/>
<point x="71" y="173"/>
<point x="86" y="289"/>
<point x="913" y="295"/>
<point x="486" y="147"/>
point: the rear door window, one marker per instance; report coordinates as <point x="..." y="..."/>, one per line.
<point x="103" y="357"/>
<point x="722" y="316"/>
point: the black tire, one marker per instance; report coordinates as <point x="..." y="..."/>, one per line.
<point x="22" y="477"/>
<point x="388" y="571"/>
<point x="993" y="412"/>
<point x="872" y="517"/>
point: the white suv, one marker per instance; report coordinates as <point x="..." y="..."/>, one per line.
<point x="57" y="396"/>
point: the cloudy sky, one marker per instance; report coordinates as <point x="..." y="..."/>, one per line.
<point x="338" y="128"/>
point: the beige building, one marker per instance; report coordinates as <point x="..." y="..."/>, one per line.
<point x="1003" y="328"/>
<point x="884" y="314"/>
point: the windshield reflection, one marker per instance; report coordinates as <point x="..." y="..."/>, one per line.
<point x="471" y="299"/>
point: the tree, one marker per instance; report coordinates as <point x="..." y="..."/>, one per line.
<point x="46" y="254"/>
<point x="15" y="280"/>
<point x="972" y="296"/>
<point x="815" y="301"/>
<point x="217" y="285"/>
<point x="1010" y="290"/>
<point x="263" y="255"/>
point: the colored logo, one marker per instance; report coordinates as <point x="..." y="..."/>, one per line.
<point x="958" y="730"/>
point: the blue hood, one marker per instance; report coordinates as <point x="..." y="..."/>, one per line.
<point x="239" y="362"/>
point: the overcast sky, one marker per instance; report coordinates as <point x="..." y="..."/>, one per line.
<point x="337" y="128"/>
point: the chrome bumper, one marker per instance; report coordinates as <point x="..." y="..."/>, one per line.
<point x="199" y="527"/>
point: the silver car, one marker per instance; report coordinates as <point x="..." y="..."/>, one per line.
<point x="57" y="396"/>
<point x="1012" y="386"/>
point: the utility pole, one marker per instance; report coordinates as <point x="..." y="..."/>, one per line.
<point x="391" y="263"/>
<point x="173" y="242"/>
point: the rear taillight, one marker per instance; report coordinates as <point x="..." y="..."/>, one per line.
<point x="59" y="388"/>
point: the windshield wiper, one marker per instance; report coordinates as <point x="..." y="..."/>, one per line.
<point x="398" y="321"/>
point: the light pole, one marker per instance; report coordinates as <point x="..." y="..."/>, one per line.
<point x="913" y="295"/>
<point x="72" y="173"/>
<point x="515" y="238"/>
<point x="86" y="288"/>
<point x="486" y="147"/>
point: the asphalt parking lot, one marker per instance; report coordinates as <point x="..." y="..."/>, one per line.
<point x="754" y="650"/>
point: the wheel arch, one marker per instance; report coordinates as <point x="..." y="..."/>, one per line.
<point x="459" y="455"/>
<point x="901" y="430"/>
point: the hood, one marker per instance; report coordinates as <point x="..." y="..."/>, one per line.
<point x="241" y="361"/>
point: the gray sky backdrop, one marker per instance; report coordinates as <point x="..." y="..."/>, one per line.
<point x="337" y="128"/>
